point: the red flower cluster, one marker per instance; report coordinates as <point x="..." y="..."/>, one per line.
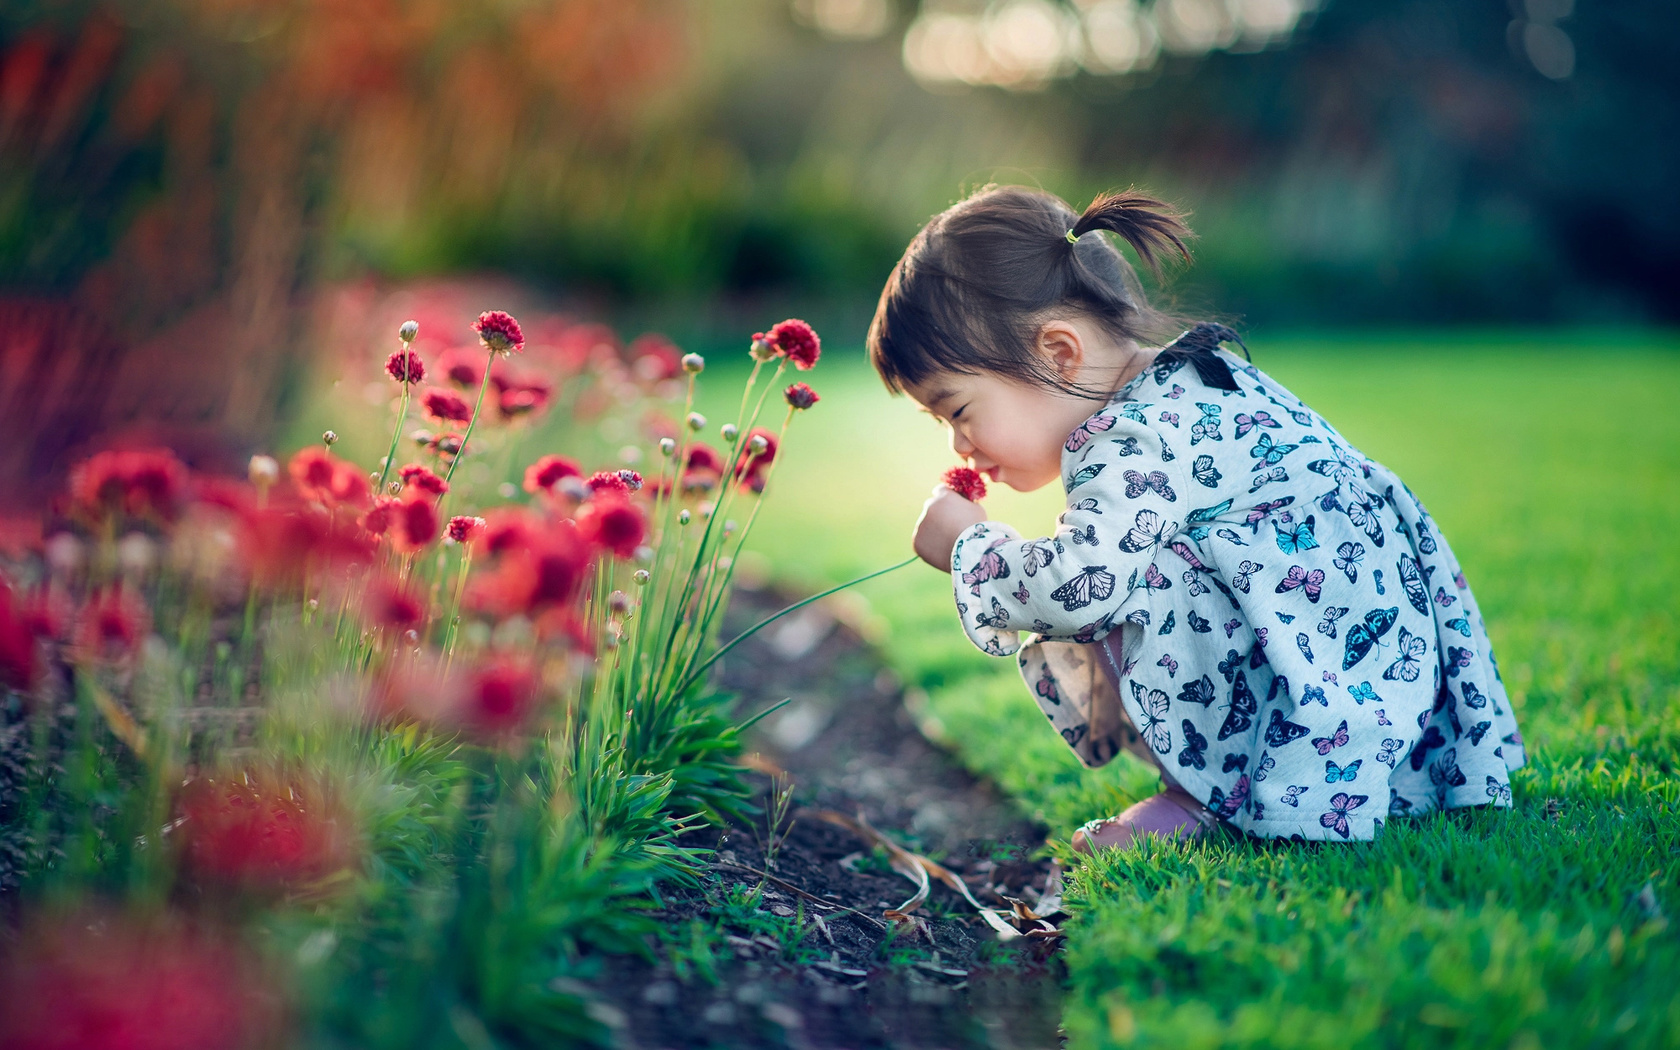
<point x="321" y="476"/>
<point x="19" y="665"/>
<point x="500" y="697"/>
<point x="966" y="482"/>
<point x="464" y="528"/>
<point x="611" y="482"/>
<point x="797" y="341"/>
<point x="654" y="358"/>
<point x="754" y="467"/>
<point x="463" y="366"/>
<point x="497" y="698"/>
<point x="499" y="331"/>
<point x="548" y="472"/>
<point x="139" y="483"/>
<point x="414" y="523"/>
<point x="801" y="396"/>
<point x="614" y="524"/>
<point x="520" y="395"/>
<point x="538" y="566"/>
<point x="97" y="981"/>
<point x="112" y="625"/>
<point x="421" y="478"/>
<point x="703" y="468"/>
<point x="282" y="544"/>
<point x="445" y="406"/>
<point x="405" y="366"/>
<point x="260" y="832"/>
<point x="391" y="605"/>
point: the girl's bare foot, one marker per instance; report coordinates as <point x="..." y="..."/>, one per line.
<point x="1172" y="814"/>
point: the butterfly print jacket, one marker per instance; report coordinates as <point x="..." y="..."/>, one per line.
<point x="1286" y="631"/>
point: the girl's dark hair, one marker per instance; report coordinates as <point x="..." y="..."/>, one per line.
<point x="977" y="281"/>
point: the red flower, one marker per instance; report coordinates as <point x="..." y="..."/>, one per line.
<point x="544" y="571"/>
<point x="705" y="457"/>
<point x="19" y="666"/>
<point x="966" y="482"/>
<point x="319" y="475"/>
<point x="499" y="331"/>
<point x="609" y="482"/>
<point x="500" y="697"/>
<point x="445" y="406"/>
<point x="508" y="529"/>
<point x="378" y="520"/>
<point x="549" y="471"/>
<point x="614" y="524"/>
<point x="95" y="981"/>
<point x="261" y="832"/>
<point x="420" y="477"/>
<point x="654" y="358"/>
<point x="464" y="366"/>
<point x="754" y="464"/>
<point x="391" y="606"/>
<point x="405" y="366"/>
<point x="495" y="699"/>
<point x="112" y="625"/>
<point x="462" y="528"/>
<point x="141" y="483"/>
<point x="414" y="523"/>
<point x="281" y="544"/>
<point x="801" y="396"/>
<point x="797" y="341"/>
<point x="522" y="396"/>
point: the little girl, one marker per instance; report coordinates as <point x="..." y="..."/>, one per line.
<point x="1234" y="593"/>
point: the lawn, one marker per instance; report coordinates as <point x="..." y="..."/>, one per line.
<point x="1552" y="461"/>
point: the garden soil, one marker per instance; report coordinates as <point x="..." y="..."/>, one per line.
<point x="805" y="957"/>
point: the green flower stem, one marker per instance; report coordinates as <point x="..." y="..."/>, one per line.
<point x="396" y="434"/>
<point x="472" y="422"/>
<point x="694" y="675"/>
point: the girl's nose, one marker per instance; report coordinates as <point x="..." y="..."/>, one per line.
<point x="963" y="447"/>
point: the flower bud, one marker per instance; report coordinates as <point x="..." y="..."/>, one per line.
<point x="729" y="526"/>
<point x="684" y="517"/>
<point x="758" y="444"/>
<point x="330" y="438"/>
<point x="761" y="349"/>
<point x="668" y="446"/>
<point x="801" y="396"/>
<point x="729" y="432"/>
<point x="696" y="421"/>
<point x="408" y="331"/>
<point x="631" y="479"/>
<point x="693" y="363"/>
<point x="393" y="486"/>
<point x="641" y="576"/>
<point x="263" y="471"/>
<point x="618" y="602"/>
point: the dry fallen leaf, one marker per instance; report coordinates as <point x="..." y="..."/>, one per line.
<point x="918" y="869"/>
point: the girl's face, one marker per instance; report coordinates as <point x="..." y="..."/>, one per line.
<point x="1011" y="430"/>
<point x="1008" y="430"/>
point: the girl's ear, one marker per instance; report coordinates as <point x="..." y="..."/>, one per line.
<point x="1062" y="348"/>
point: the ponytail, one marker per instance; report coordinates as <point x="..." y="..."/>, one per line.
<point x="1152" y="227"/>
<point x="975" y="284"/>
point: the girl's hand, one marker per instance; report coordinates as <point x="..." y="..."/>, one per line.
<point x="944" y="517"/>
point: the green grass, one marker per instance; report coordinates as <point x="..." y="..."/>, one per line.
<point x="1552" y="461"/>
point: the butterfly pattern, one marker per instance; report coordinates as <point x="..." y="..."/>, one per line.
<point x="1191" y="682"/>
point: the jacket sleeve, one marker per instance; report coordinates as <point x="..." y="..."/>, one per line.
<point x="1125" y="495"/>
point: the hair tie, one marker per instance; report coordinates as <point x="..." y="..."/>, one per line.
<point x="1071" y="237"/>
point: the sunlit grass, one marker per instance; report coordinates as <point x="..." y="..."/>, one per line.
<point x="1552" y="461"/>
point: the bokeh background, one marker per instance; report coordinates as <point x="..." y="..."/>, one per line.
<point x="184" y="183"/>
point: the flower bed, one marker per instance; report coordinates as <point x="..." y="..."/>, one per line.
<point x="351" y="749"/>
